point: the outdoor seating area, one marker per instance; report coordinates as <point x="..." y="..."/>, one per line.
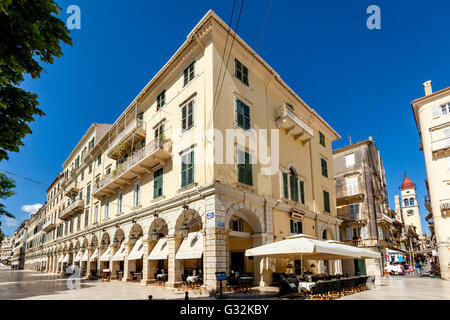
<point x="161" y="279"/>
<point x="240" y="282"/>
<point x="331" y="288"/>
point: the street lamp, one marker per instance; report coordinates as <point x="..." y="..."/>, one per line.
<point x="133" y="239"/>
<point x="92" y="245"/>
<point x="154" y="235"/>
<point x="116" y="242"/>
<point x="184" y="230"/>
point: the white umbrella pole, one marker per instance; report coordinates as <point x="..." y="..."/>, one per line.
<point x="301" y="264"/>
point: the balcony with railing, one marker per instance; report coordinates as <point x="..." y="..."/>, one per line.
<point x="143" y="161"/>
<point x="72" y="209"/>
<point x="48" y="226"/>
<point x="292" y="123"/>
<point x="72" y="189"/>
<point x="131" y="134"/>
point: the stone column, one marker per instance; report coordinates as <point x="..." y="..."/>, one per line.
<point x="111" y="263"/>
<point x="216" y="256"/>
<point x="145" y="262"/>
<point x="175" y="266"/>
<point x="125" y="263"/>
<point x="444" y="260"/>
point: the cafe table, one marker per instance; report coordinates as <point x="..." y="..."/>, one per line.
<point x="305" y="286"/>
<point x="246" y="283"/>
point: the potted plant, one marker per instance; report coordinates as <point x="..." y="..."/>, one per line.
<point x="121" y="149"/>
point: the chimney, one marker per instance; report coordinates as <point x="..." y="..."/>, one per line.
<point x="428" y="89"/>
<point x="370" y="138"/>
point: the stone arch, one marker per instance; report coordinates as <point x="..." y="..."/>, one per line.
<point x="253" y="215"/>
<point x="105" y="239"/>
<point x="291" y="165"/>
<point x="329" y="230"/>
<point x="160" y="226"/>
<point x="192" y="218"/>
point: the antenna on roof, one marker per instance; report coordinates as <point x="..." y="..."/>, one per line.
<point x="349" y="137"/>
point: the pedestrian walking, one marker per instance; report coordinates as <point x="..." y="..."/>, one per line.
<point x="419" y="269"/>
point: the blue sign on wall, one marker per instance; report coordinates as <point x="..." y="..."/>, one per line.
<point x="210" y="215"/>
<point x="221" y="224"/>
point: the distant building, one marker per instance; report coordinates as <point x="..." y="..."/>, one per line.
<point x="362" y="203"/>
<point x="20" y="242"/>
<point x="6" y="249"/>
<point x="409" y="206"/>
<point x="432" y="115"/>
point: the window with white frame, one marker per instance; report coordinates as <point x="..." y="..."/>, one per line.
<point x="119" y="202"/>
<point x="189" y="73"/>
<point x="354" y="211"/>
<point x="237" y="225"/>
<point x="137" y="195"/>
<point x="352" y="185"/>
<point x="106" y="209"/>
<point x="350" y="160"/>
<point x="187" y="115"/>
<point x="95" y="214"/>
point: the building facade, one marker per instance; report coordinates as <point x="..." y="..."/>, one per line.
<point x="6" y="250"/>
<point x="20" y="242"/>
<point x="432" y="116"/>
<point x="176" y="183"/>
<point x="362" y="204"/>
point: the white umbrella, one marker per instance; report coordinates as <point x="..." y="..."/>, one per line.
<point x="305" y="247"/>
<point x="360" y="253"/>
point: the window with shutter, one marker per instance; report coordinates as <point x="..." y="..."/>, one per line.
<point x="187" y="169"/>
<point x="189" y="73"/>
<point x="326" y="201"/>
<point x="294" y="187"/>
<point x="244" y="168"/>
<point x="350" y="160"/>
<point x="242" y="114"/>
<point x="158" y="183"/>
<point x="348" y="233"/>
<point x="302" y="191"/>
<point x="187" y="115"/>
<point x="436" y="112"/>
<point x="323" y="163"/>
<point x="285" y="186"/>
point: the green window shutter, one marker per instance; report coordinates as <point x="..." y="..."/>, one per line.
<point x="299" y="227"/>
<point x="324" y="168"/>
<point x="326" y="201"/>
<point x="183" y="118"/>
<point x="158" y="183"/>
<point x="244" y="168"/>
<point x="285" y="186"/>
<point x="292" y="226"/>
<point x="302" y="191"/>
<point x="242" y="115"/>
<point x="187" y="169"/>
<point x="294" y="187"/>
<point x="322" y="139"/>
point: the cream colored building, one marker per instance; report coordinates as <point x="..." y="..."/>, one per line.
<point x="128" y="191"/>
<point x="432" y="115"/>
<point x="6" y="250"/>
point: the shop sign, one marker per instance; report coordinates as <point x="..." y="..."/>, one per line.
<point x="297" y="214"/>
<point x="210" y="215"/>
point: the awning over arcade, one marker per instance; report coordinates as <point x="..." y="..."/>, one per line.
<point x="138" y="250"/>
<point x="120" y="254"/>
<point x="78" y="256"/>
<point x="106" y="255"/>
<point x="160" y="251"/>
<point x="85" y="256"/>
<point x="191" y="247"/>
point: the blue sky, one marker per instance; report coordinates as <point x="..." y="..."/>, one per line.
<point x="361" y="81"/>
